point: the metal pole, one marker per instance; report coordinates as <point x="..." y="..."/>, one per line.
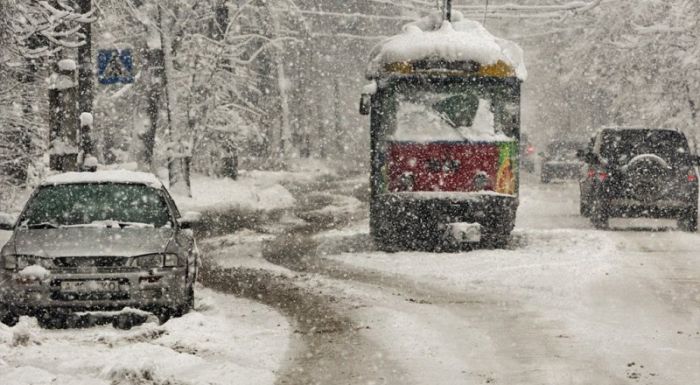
<point x="85" y="80"/>
<point x="486" y="9"/>
<point x="448" y="10"/>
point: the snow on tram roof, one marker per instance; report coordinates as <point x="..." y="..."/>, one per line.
<point x="107" y="176"/>
<point x="459" y="40"/>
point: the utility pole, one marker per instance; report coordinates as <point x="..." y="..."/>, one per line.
<point x="486" y="10"/>
<point x="85" y="80"/>
<point x="447" y="12"/>
<point x="63" y="117"/>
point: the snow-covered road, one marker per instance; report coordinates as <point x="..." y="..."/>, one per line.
<point x="225" y="341"/>
<point x="565" y="305"/>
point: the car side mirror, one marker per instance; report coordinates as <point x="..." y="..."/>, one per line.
<point x="7" y="222"/>
<point x="189" y="220"/>
<point x="365" y="104"/>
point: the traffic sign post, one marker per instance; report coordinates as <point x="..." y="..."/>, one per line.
<point x="115" y="66"/>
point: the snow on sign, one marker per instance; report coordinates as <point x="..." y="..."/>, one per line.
<point x="115" y="66"/>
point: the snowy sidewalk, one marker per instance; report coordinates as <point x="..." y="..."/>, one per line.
<point x="225" y="341"/>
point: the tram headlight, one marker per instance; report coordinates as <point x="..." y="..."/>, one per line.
<point x="481" y="181"/>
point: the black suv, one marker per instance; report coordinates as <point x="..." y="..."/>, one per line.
<point x="639" y="172"/>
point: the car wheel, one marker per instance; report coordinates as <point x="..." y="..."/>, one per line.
<point x="599" y="214"/>
<point x="189" y="303"/>
<point x="165" y="313"/>
<point x="544" y="178"/>
<point x="128" y="321"/>
<point x="52" y="319"/>
<point x="688" y="221"/>
<point x="8" y="317"/>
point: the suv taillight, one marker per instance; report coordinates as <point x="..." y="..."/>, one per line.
<point x="692" y="177"/>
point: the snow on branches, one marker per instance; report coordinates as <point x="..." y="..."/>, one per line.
<point x="43" y="28"/>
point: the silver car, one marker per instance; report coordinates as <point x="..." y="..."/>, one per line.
<point x="98" y="241"/>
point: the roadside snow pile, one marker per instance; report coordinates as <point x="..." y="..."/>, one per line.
<point x="254" y="193"/>
<point x="550" y="258"/>
<point x="243" y="249"/>
<point x="226" y="341"/>
<point x="459" y="40"/>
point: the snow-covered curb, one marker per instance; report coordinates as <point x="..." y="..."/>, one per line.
<point x="251" y="193"/>
<point x="225" y="341"/>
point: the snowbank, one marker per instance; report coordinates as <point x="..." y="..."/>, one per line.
<point x="459" y="40"/>
<point x="242" y="249"/>
<point x="257" y="192"/>
<point x="225" y="341"/>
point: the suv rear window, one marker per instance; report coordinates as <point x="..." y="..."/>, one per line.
<point x="620" y="146"/>
<point x="85" y="204"/>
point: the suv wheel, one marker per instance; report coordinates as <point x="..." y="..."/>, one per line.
<point x="584" y="207"/>
<point x="688" y="221"/>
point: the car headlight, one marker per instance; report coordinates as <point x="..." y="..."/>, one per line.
<point x="23" y="261"/>
<point x="170" y="260"/>
<point x="20" y="262"/>
<point x="155" y="260"/>
<point x="9" y="262"/>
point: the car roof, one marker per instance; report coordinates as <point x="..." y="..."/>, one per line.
<point x="107" y="176"/>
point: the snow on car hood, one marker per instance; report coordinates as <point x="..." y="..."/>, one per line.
<point x="91" y="242"/>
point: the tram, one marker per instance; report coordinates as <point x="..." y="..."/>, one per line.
<point x="444" y="105"/>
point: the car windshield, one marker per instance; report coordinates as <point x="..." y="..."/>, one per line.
<point x="96" y="204"/>
<point x="621" y="146"/>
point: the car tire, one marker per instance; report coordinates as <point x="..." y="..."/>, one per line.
<point x="52" y="319"/>
<point x="599" y="214"/>
<point x="8" y="316"/>
<point x="544" y="178"/>
<point x="127" y="321"/>
<point x="189" y="303"/>
<point x="688" y="221"/>
<point x="165" y="313"/>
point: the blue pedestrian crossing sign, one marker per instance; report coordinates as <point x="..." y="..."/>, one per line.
<point x="115" y="66"/>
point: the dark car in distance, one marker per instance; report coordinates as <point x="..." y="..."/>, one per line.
<point x="560" y="161"/>
<point x="640" y="172"/>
